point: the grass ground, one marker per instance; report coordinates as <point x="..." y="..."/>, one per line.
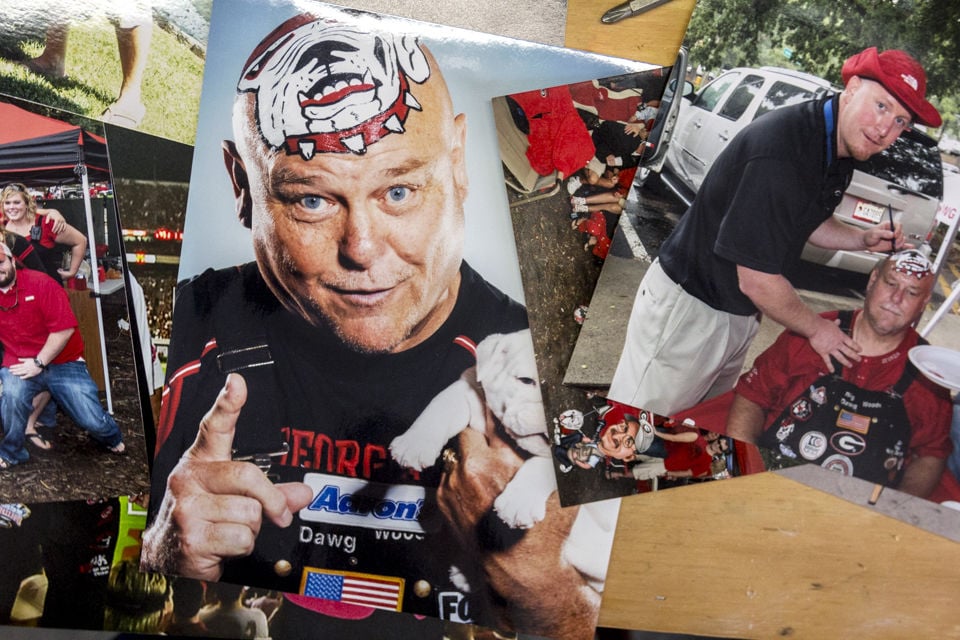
<point x="171" y="89"/>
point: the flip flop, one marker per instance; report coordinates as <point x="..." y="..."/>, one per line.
<point x="129" y="117"/>
<point x="4" y="465"/>
<point x="38" y="441"/>
<point x="118" y="449"/>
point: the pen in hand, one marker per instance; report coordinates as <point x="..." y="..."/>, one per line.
<point x="893" y="240"/>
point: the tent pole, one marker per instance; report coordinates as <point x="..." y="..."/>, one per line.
<point x="95" y="279"/>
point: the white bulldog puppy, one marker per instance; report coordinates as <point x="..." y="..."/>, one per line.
<point x="504" y="382"/>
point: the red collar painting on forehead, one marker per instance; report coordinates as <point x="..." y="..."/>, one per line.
<point x="324" y="87"/>
<point x="912" y="263"/>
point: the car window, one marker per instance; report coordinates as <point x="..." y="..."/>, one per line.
<point x="710" y="95"/>
<point x="741" y="97"/>
<point x="782" y="94"/>
<point x="912" y="161"/>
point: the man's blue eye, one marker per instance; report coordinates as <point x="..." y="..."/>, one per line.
<point x="398" y="194"/>
<point x="312" y="202"/>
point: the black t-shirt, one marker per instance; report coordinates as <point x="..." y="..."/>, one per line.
<point x="769" y="189"/>
<point x="609" y="138"/>
<point x="337" y="410"/>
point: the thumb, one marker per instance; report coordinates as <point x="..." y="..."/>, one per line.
<point x="298" y="495"/>
<point x="215" y="437"/>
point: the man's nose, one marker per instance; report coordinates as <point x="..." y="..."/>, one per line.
<point x="887" y="124"/>
<point x="359" y="244"/>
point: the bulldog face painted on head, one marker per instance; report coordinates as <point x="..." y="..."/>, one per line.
<point x="326" y="87"/>
<point x="911" y="262"/>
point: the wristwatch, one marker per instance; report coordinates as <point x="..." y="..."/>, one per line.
<point x="37" y="361"/>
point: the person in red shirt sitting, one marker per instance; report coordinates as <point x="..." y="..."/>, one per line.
<point x="878" y="419"/>
<point x="43" y="351"/>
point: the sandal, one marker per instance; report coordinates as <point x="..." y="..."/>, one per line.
<point x="4" y="465"/>
<point x="118" y="449"/>
<point x="38" y="441"/>
<point x="129" y="117"/>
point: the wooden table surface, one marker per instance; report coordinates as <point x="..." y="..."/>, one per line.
<point x="765" y="556"/>
<point x="653" y="36"/>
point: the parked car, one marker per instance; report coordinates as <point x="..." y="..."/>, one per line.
<point x="905" y="181"/>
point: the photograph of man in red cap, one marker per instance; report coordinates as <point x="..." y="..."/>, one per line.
<point x="772" y="189"/>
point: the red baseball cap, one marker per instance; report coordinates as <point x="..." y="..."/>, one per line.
<point x="900" y="74"/>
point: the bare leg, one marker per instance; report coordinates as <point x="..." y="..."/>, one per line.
<point x="39" y="403"/>
<point x="609" y="202"/>
<point x="134" y="45"/>
<point x="52" y="61"/>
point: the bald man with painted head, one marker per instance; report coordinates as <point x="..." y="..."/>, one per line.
<point x="877" y="418"/>
<point x="348" y="168"/>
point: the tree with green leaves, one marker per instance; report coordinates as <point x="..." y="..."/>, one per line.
<point x="816" y="36"/>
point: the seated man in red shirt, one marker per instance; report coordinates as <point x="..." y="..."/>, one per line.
<point x="878" y="419"/>
<point x="43" y="351"/>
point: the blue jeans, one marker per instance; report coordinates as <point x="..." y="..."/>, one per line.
<point x="953" y="462"/>
<point x="73" y="390"/>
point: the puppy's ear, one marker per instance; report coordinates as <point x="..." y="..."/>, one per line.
<point x="491" y="353"/>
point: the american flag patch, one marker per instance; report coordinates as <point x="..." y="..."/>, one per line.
<point x="379" y="592"/>
<point x="853" y="421"/>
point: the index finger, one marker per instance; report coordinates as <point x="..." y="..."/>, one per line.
<point x="246" y="479"/>
<point x="214" y="440"/>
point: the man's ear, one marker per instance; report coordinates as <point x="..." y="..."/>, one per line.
<point x="241" y="185"/>
<point x="852" y="86"/>
<point x="459" y="156"/>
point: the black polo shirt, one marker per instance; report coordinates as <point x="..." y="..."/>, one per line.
<point x="769" y="189"/>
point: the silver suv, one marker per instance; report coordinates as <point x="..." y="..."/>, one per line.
<point x="907" y="177"/>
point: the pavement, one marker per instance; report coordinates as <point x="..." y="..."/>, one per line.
<point x="601" y="338"/>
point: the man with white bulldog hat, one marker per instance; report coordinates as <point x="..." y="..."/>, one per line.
<point x="348" y="167"/>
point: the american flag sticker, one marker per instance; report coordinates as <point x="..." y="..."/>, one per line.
<point x="379" y="592"/>
<point x="853" y="421"/>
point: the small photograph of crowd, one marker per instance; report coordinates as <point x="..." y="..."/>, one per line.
<point x="603" y="448"/>
<point x="575" y="149"/>
<point x="151" y="177"/>
<point x="70" y="405"/>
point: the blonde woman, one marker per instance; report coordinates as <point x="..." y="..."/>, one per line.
<point x="45" y="229"/>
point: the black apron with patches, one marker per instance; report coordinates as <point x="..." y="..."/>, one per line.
<point x="842" y="427"/>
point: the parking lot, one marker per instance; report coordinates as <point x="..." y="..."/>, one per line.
<point x="651" y="214"/>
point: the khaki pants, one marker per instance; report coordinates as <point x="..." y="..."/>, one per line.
<point x="679" y="350"/>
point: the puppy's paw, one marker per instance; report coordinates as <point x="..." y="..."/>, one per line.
<point x="414" y="450"/>
<point x="520" y="508"/>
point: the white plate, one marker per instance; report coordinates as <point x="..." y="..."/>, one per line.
<point x="940" y="364"/>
